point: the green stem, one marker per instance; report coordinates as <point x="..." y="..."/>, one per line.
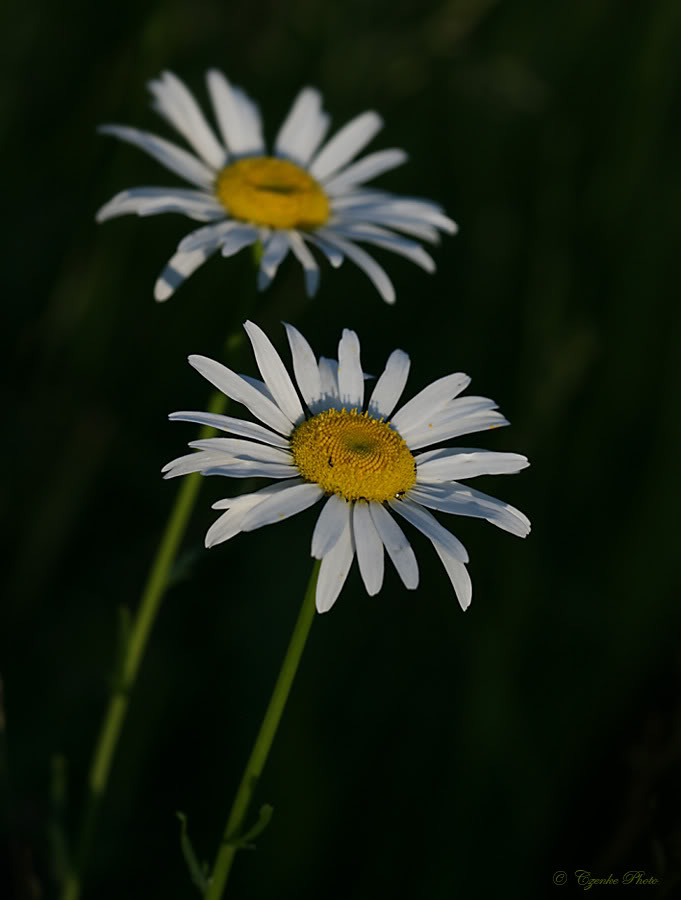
<point x="133" y="653"/>
<point x="263" y="743"/>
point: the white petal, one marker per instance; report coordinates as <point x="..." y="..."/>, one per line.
<point x="397" y="211"/>
<point x="246" y="468"/>
<point x="236" y="449"/>
<point x="365" y="262"/>
<point x="350" y="376"/>
<point x="210" y="235"/>
<point x="427" y="524"/>
<point x="237" y="116"/>
<point x="461" y="500"/>
<point x="274" y="373"/>
<point x="333" y="254"/>
<point x="194" y="462"/>
<point x="307" y="261"/>
<point x="387" y="240"/>
<point x="233" y="426"/>
<point x="368" y="167"/>
<point x="258" y="385"/>
<point x="428" y="401"/>
<point x="305" y="367"/>
<point x="274" y="253"/>
<point x="335" y="567"/>
<point x="303" y="129"/>
<point x="398" y="547"/>
<point x="178" y="269"/>
<point x="152" y="201"/>
<point x="179" y="107"/>
<point x="345" y="144"/>
<point x="458" y="575"/>
<point x="457" y="463"/>
<point x="238" y="389"/>
<point x="184" y="164"/>
<point x="369" y="548"/>
<point x="328" y="374"/>
<point x="229" y="524"/>
<point x="237" y="239"/>
<point x="283" y="505"/>
<point x="427" y="433"/>
<point x="330" y="524"/>
<point x="390" y="385"/>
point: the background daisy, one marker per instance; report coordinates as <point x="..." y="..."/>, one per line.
<point x="304" y="192"/>
<point x="359" y="458"/>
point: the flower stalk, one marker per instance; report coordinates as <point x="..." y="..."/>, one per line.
<point x="233" y="836"/>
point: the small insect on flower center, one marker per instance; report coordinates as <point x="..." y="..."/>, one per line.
<point x="272" y="192"/>
<point x="353" y="455"/>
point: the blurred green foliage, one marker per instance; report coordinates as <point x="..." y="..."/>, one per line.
<point x="425" y="753"/>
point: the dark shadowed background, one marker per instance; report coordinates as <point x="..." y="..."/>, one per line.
<point x="425" y="753"/>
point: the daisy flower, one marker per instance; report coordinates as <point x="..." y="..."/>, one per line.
<point x="359" y="458"/>
<point x="300" y="195"/>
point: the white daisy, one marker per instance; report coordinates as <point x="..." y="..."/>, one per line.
<point x="355" y="455"/>
<point x="301" y="195"/>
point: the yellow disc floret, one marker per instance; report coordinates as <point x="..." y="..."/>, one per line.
<point x="272" y="192"/>
<point x="353" y="455"/>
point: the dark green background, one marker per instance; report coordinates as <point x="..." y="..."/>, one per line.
<point x="425" y="753"/>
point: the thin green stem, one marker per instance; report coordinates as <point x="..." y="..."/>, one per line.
<point x="256" y="762"/>
<point x="133" y="653"/>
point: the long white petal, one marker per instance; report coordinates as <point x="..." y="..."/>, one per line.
<point x="238" y="389"/>
<point x="350" y="376"/>
<point x="427" y="433"/>
<point x="335" y="567"/>
<point x="247" y="468"/>
<point x="194" y="462"/>
<point x="428" y="401"/>
<point x="153" y="201"/>
<point x="330" y="524"/>
<point x="386" y="240"/>
<point x="229" y="523"/>
<point x="237" y="448"/>
<point x="361" y="258"/>
<point x="368" y="167"/>
<point x="239" y="122"/>
<point x="345" y="144"/>
<point x="303" y="129"/>
<point x="307" y="261"/>
<point x="398" y="547"/>
<point x="427" y="524"/>
<point x="305" y="367"/>
<point x="283" y="505"/>
<point x="459" y="463"/>
<point x="369" y="548"/>
<point x="184" y="164"/>
<point x="333" y="254"/>
<point x="458" y="575"/>
<point x="178" y="269"/>
<point x="461" y="500"/>
<point x="274" y="373"/>
<point x="390" y="385"/>
<point x="178" y="106"/>
<point x="210" y="235"/>
<point x="232" y="426"/>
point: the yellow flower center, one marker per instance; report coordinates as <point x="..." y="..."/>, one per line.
<point x="353" y="455"/>
<point x="272" y="192"/>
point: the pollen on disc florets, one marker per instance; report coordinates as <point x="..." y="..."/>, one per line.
<point x="351" y="454"/>
<point x="272" y="192"/>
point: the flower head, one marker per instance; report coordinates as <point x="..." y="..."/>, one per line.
<point x="356" y="456"/>
<point x="303" y="194"/>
